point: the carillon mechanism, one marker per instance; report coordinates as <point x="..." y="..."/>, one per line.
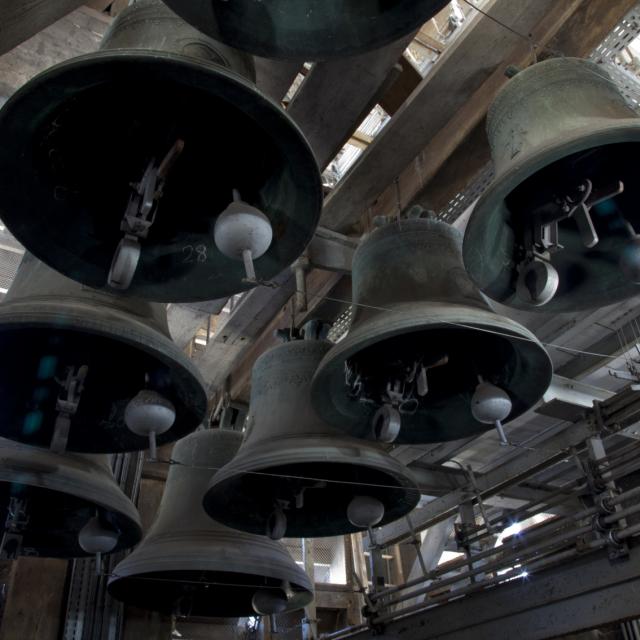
<point x="424" y="347"/>
<point x="91" y="372"/>
<point x="557" y="228"/>
<point x="62" y="505"/>
<point x="307" y="29"/>
<point x="295" y="476"/>
<point x="197" y="186"/>
<point x="189" y="565"/>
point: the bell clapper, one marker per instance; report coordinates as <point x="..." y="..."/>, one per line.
<point x="365" y="512"/>
<point x="277" y="521"/>
<point x="97" y="539"/>
<point x="138" y="218"/>
<point x="269" y="601"/>
<point x="67" y="405"/>
<point x="491" y="405"/>
<point x="243" y="232"/>
<point x="149" y="414"/>
<point x="401" y="395"/>
<point x="538" y="279"/>
<point x="15" y="524"/>
<point x="386" y="423"/>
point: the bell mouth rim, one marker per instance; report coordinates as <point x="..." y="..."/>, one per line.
<point x="124" y="513"/>
<point x="143" y="338"/>
<point x="269" y="49"/>
<point x="230" y="475"/>
<point x="321" y="454"/>
<point x="490" y="205"/>
<point x="407" y="322"/>
<point x="287" y="139"/>
<point x="119" y="587"/>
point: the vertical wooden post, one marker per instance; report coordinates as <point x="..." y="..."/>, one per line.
<point x="35" y="599"/>
<point x="310" y="626"/>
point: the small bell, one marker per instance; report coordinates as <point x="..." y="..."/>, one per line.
<point x="91" y="372"/>
<point x="420" y="335"/>
<point x="192" y="566"/>
<point x="297" y="477"/>
<point x="556" y="229"/>
<point x="138" y="206"/>
<point x="62" y="505"/>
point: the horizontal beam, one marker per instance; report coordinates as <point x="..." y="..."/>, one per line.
<point x="331" y="251"/>
<point x="479" y="50"/>
<point x="22" y="19"/>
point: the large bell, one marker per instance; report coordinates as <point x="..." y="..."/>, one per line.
<point x="307" y="29"/>
<point x="47" y="499"/>
<point x="190" y="565"/>
<point x="556" y="231"/>
<point x="422" y="344"/>
<point x="119" y="168"/>
<point x="89" y="371"/>
<point x="295" y="476"/>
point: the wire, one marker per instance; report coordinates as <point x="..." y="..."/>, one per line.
<point x="472" y="327"/>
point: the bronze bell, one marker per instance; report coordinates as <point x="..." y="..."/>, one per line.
<point x="556" y="230"/>
<point x="307" y="29"/>
<point x="89" y="371"/>
<point x="49" y="499"/>
<point x="425" y="359"/>
<point x="296" y="476"/>
<point x="190" y="565"/>
<point x="155" y="166"/>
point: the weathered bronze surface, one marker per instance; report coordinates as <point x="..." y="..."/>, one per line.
<point x="307" y="29"/>
<point x="414" y="303"/>
<point x="555" y="125"/>
<point x="61" y="493"/>
<point x="75" y="138"/>
<point x="291" y="455"/>
<point x="49" y="324"/>
<point x="191" y="565"/>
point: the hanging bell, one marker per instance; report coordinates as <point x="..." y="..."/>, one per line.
<point x="557" y="229"/>
<point x="294" y="475"/>
<point x="307" y="29"/>
<point x="115" y="166"/>
<point x="421" y="343"/>
<point x="49" y="499"/>
<point x="86" y="370"/>
<point x="190" y="565"/>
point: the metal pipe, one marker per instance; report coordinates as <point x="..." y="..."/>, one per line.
<point x="565" y="555"/>
<point x="518" y="544"/>
<point x="517" y="556"/>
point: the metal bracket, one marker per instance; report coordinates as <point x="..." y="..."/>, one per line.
<point x="15" y="523"/>
<point x="138" y="218"/>
<point x="67" y="405"/>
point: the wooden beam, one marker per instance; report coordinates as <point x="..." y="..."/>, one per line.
<point x="480" y="53"/>
<point x="22" y="19"/>
<point x="590" y="25"/>
<point x="338" y="94"/>
<point x="460" y="151"/>
<point x="398" y="93"/>
<point x="76" y="34"/>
